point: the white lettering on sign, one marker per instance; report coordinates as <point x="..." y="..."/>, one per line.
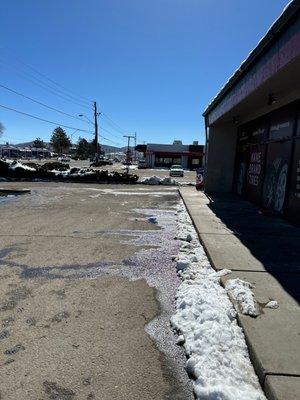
<point x="258" y="132"/>
<point x="253" y="180"/>
<point x="254" y="168"/>
<point x="256" y="157"/>
<point x="280" y="126"/>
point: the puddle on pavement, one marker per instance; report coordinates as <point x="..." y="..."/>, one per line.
<point x="10" y="194"/>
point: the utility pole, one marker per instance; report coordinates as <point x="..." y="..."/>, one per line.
<point x="96" y="130"/>
<point x="135" y="146"/>
<point x="128" y="150"/>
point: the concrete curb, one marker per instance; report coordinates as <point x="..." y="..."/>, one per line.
<point x="273" y="338"/>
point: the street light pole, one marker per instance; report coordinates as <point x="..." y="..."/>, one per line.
<point x="96" y="129"/>
<point x="73" y="134"/>
<point x="95" y="123"/>
<point x="135" y="156"/>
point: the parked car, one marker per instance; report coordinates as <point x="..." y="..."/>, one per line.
<point x="142" y="164"/>
<point x="176" y="170"/>
<point x="63" y="159"/>
<point x="100" y="162"/>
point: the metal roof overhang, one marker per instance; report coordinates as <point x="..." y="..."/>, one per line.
<point x="289" y="51"/>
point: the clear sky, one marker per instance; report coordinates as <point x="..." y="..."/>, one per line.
<point x="151" y="65"/>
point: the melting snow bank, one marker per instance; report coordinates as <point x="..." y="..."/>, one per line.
<point x="205" y="319"/>
<point x="241" y="292"/>
<point x="61" y="172"/>
<point x="16" y="164"/>
<point x="167" y="181"/>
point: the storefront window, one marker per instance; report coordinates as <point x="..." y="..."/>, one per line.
<point x="177" y="160"/>
<point x="195" y="161"/>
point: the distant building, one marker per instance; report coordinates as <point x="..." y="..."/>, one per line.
<point x="9" y="151"/>
<point x="253" y="124"/>
<point x="165" y="155"/>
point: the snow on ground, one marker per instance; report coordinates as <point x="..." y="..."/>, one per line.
<point x="241" y="292"/>
<point x="125" y="167"/>
<point x="121" y="192"/>
<point x="272" y="304"/>
<point x="205" y="320"/>
<point x="13" y="165"/>
<point x="80" y="173"/>
<point x="167" y="181"/>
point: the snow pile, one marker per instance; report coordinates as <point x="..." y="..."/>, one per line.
<point x="272" y="304"/>
<point x="205" y="320"/>
<point x="241" y="292"/>
<point x="167" y="181"/>
<point x="125" y="167"/>
<point x="77" y="173"/>
<point x="16" y="164"/>
<point x="156" y="180"/>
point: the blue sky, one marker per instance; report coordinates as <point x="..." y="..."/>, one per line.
<point x="152" y="65"/>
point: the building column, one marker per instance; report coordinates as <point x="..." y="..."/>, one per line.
<point x="220" y="155"/>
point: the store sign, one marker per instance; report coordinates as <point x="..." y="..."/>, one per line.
<point x="255" y="168"/>
<point x="279" y="131"/>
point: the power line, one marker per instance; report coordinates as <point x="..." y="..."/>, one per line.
<point x="108" y="140"/>
<point x="119" y="129"/>
<point x="40" y="103"/>
<point x="45" y="76"/>
<point x="45" y="86"/>
<point x="42" y="119"/>
<point x="113" y="127"/>
<point x="116" y="136"/>
<point x="54" y="123"/>
<point x="81" y="98"/>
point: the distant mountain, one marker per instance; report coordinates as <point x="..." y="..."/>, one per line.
<point x="105" y="147"/>
<point x="28" y="144"/>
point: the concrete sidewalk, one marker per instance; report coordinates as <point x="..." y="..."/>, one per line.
<point x="264" y="251"/>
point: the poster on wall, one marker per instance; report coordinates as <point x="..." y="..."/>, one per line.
<point x="256" y="160"/>
<point x="278" y="158"/>
<point x="293" y="211"/>
<point x="276" y="175"/>
<point x="200" y="178"/>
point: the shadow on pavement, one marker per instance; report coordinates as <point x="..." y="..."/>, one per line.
<point x="271" y="240"/>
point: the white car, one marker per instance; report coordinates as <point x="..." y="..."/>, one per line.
<point x="176" y="170"/>
<point x="142" y="164"/>
<point x="63" y="159"/>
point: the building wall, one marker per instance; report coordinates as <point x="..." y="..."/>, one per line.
<point x="166" y="159"/>
<point x="220" y="154"/>
<point x="184" y="161"/>
<point x="150" y="158"/>
<point x="267" y="170"/>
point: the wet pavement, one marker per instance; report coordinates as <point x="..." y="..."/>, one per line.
<point x="87" y="290"/>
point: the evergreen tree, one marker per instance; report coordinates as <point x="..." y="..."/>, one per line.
<point x="83" y="148"/>
<point x="60" y="141"/>
<point x="38" y="143"/>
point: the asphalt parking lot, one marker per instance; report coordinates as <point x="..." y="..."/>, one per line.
<point x="87" y="289"/>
